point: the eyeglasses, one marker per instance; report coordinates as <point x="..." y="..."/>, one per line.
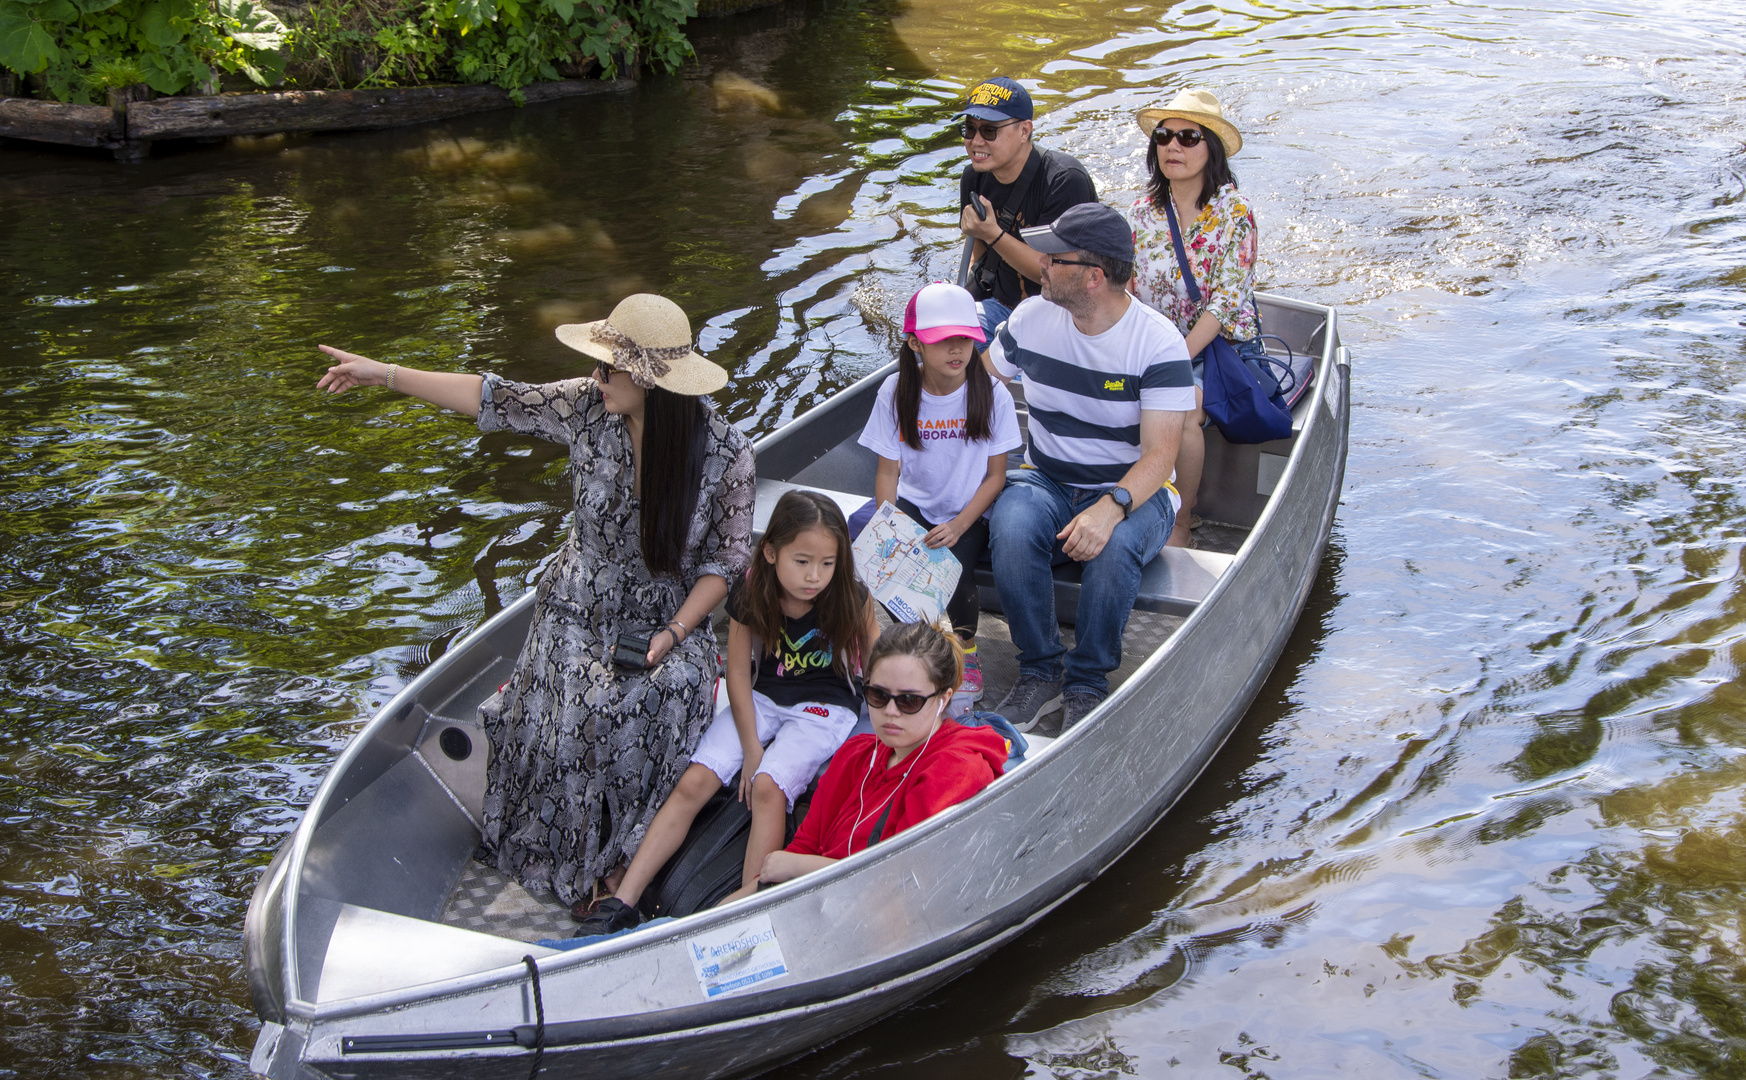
<point x="1187" y="137"/>
<point x="1056" y="260"/>
<point x="989" y="132"/>
<point x="908" y="704"/>
<point x="607" y="371"/>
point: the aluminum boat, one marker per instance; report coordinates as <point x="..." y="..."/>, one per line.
<point x="377" y="946"/>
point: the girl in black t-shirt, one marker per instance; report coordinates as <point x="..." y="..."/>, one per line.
<point x="798" y="625"/>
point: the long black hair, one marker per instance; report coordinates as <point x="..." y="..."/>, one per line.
<point x="978" y="398"/>
<point x="675" y="431"/>
<point x="1217" y="174"/>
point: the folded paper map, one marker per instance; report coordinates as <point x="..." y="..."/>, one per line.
<point x="912" y="580"/>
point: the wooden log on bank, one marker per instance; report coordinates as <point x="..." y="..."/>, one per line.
<point x="130" y="128"/>
<point x="52" y="121"/>
<point x="335" y="110"/>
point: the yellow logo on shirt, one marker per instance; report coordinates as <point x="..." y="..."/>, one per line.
<point x="1113" y="384"/>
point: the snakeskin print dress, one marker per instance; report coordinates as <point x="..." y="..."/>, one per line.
<point x="583" y="753"/>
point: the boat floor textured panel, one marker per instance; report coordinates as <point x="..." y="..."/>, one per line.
<point x="490" y="902"/>
<point x="994" y="649"/>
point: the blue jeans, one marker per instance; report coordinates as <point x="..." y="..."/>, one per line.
<point x="1022" y="544"/>
<point x="992" y="313"/>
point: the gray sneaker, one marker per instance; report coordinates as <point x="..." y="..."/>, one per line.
<point x="1029" y="700"/>
<point x="1076" y="705"/>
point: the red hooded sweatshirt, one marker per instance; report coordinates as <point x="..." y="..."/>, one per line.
<point x="955" y="764"/>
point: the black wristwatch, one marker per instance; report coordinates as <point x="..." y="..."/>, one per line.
<point x="1123" y="498"/>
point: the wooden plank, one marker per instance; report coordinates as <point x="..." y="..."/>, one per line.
<point x="334" y="110"/>
<point x="52" y="121"/>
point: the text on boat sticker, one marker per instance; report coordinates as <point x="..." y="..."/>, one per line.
<point x="736" y="957"/>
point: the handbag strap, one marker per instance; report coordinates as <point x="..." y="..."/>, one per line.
<point x="1181" y="255"/>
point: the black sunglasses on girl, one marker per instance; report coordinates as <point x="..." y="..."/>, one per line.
<point x="1187" y="137"/>
<point x="908" y="704"/>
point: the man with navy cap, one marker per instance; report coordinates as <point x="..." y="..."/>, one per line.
<point x="1017" y="186"/>
<point x="1108" y="386"/>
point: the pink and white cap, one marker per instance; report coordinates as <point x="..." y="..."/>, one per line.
<point x="940" y="311"/>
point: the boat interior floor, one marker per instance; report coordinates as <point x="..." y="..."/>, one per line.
<point x="487" y="901"/>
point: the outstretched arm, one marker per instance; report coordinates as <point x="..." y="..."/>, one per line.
<point x="451" y="390"/>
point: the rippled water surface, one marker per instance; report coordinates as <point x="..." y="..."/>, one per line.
<point x="1485" y="819"/>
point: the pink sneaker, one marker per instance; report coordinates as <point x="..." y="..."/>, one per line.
<point x="972" y="686"/>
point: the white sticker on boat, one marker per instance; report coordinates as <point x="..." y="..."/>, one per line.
<point x="736" y="957"/>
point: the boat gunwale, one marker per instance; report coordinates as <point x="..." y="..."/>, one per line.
<point x="987" y="926"/>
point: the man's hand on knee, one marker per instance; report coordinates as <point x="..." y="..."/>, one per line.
<point x="1085" y="536"/>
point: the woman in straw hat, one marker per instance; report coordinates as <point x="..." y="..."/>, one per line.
<point x="1188" y="151"/>
<point x="583" y="749"/>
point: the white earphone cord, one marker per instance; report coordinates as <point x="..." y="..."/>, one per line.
<point x="872" y="760"/>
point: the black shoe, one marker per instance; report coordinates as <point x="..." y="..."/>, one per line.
<point x="1029" y="700"/>
<point x="611" y="916"/>
<point x="1076" y="705"/>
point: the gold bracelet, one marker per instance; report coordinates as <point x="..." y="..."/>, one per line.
<point x="391" y="368"/>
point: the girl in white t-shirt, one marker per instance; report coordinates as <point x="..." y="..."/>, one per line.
<point x="942" y="428"/>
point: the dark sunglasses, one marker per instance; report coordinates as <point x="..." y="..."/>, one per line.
<point x="989" y="132"/>
<point x="908" y="704"/>
<point x="607" y="371"/>
<point x="1187" y="137"/>
<point x="1056" y="260"/>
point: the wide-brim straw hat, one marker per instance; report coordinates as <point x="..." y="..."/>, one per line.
<point x="648" y="337"/>
<point x="1203" y="108"/>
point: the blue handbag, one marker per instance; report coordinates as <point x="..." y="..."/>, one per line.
<point x="1233" y="394"/>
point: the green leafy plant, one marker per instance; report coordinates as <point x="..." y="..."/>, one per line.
<point x="71" y="47"/>
<point x="114" y="73"/>
<point x="175" y="43"/>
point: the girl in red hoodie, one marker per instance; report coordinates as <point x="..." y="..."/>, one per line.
<point x="915" y="764"/>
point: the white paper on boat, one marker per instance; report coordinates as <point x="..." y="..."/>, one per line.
<point x="912" y="580"/>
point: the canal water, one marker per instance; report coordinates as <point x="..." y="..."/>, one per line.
<point x="1484" y="820"/>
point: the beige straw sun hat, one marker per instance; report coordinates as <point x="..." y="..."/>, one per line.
<point x="648" y="337"/>
<point x="1203" y="108"/>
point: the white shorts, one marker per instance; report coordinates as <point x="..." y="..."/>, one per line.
<point x="797" y="739"/>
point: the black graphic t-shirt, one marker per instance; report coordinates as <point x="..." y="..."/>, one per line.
<point x="1061" y="185"/>
<point x="798" y="669"/>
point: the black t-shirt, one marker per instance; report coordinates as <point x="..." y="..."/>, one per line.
<point x="798" y="669"/>
<point x="1060" y="183"/>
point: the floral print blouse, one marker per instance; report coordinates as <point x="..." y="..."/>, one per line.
<point x="1221" y="251"/>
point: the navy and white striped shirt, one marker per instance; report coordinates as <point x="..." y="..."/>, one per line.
<point x="1085" y="394"/>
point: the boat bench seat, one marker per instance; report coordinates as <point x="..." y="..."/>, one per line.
<point x="1174" y="583"/>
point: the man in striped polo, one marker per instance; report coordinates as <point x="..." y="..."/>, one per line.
<point x="1108" y="385"/>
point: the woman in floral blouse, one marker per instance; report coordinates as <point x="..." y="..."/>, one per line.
<point x="1188" y="157"/>
<point x="583" y="749"/>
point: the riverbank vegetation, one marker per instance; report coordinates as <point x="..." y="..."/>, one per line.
<point x="86" y="51"/>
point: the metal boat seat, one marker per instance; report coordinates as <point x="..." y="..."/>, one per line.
<point x="1174" y="582"/>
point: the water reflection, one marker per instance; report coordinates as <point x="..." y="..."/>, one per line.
<point x="1481" y="821"/>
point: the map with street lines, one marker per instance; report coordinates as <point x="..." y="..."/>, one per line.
<point x="912" y="580"/>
